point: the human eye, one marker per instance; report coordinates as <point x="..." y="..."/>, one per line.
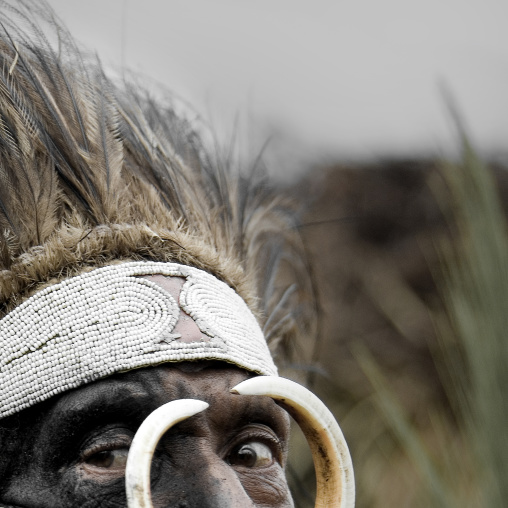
<point x="107" y="451"/>
<point x="109" y="459"/>
<point x="255" y="447"/>
<point x="251" y="454"/>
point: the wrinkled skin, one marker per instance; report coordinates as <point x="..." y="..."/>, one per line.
<point x="70" y="451"/>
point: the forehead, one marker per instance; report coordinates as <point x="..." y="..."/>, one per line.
<point x="130" y="397"/>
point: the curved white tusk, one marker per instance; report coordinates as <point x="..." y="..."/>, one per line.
<point x="332" y="461"/>
<point x="139" y="460"/>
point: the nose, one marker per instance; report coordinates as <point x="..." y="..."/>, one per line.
<point x="217" y="486"/>
<point x="209" y="483"/>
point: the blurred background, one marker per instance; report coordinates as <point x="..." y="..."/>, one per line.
<point x="359" y="105"/>
<point x="328" y="79"/>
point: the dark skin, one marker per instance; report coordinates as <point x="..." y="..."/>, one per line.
<point x="70" y="451"/>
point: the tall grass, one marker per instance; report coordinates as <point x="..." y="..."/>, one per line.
<point x="470" y="468"/>
<point x="475" y="288"/>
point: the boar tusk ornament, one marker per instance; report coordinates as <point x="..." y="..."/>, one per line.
<point x="139" y="460"/>
<point x="332" y="460"/>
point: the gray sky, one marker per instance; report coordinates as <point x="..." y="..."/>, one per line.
<point x="336" y="79"/>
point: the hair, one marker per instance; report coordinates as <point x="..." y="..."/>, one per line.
<point x="95" y="171"/>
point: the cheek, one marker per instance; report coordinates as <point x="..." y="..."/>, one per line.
<point x="266" y="486"/>
<point x="96" y="490"/>
<point x="193" y="474"/>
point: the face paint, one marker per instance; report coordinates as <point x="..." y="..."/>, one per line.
<point x="70" y="450"/>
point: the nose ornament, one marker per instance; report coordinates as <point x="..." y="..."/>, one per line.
<point x="332" y="460"/>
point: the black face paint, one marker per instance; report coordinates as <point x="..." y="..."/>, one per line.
<point x="70" y="450"/>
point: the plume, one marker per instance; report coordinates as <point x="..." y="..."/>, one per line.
<point x="93" y="172"/>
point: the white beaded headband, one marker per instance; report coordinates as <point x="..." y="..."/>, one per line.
<point x="111" y="320"/>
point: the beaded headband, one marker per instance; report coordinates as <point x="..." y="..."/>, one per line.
<point x="112" y="319"/>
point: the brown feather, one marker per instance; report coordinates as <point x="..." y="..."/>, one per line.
<point x="92" y="173"/>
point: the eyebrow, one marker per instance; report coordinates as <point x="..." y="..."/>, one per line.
<point x="261" y="410"/>
<point x="78" y="413"/>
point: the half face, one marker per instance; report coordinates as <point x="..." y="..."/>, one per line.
<point x="70" y="451"/>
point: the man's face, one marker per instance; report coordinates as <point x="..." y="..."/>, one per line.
<point x="70" y="451"/>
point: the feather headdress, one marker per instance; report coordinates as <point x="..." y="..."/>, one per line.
<point x="93" y="173"/>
